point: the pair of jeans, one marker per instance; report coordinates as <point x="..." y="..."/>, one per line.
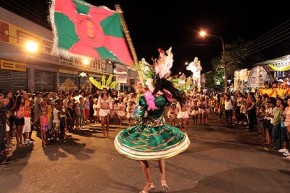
<point x="284" y="136"/>
<point x="276" y="136"/>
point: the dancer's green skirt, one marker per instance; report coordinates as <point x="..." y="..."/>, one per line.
<point x="151" y="139"/>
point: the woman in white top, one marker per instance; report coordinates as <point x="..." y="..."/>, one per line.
<point x="229" y="106"/>
<point x="105" y="110"/>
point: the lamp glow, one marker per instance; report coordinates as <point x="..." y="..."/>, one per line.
<point x="86" y="61"/>
<point x="31" y="46"/>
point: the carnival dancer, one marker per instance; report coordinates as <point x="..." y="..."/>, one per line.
<point x="151" y="138"/>
<point x="121" y="112"/>
<point x="194" y="111"/>
<point x="172" y="114"/>
<point x="183" y="114"/>
<point x="104" y="107"/>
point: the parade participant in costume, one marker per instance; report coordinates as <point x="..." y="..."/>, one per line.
<point x="105" y="102"/>
<point x="105" y="110"/>
<point x="172" y="113"/>
<point x="151" y="138"/>
<point x="121" y="110"/>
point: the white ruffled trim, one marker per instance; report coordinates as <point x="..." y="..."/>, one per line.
<point x="141" y="155"/>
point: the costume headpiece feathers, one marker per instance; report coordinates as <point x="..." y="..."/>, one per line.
<point x="155" y="77"/>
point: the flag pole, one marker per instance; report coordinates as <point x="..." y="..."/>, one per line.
<point x="129" y="40"/>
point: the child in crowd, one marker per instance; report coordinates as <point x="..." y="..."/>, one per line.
<point x="43" y="127"/>
<point x="56" y="121"/>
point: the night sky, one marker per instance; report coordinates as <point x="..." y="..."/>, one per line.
<point x="161" y="24"/>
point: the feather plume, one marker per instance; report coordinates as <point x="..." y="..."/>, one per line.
<point x="109" y="80"/>
<point x="164" y="63"/>
<point x="150" y="101"/>
<point x="95" y="83"/>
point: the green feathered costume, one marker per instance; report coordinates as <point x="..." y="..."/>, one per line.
<point x="151" y="139"/>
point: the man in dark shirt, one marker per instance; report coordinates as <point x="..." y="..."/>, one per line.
<point x="3" y="119"/>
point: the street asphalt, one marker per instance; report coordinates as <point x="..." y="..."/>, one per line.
<point x="218" y="160"/>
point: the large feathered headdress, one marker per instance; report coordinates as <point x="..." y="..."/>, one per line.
<point x="156" y="77"/>
<point x="160" y="68"/>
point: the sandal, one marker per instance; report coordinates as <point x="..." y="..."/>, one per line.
<point x="287" y="158"/>
<point x="148" y="187"/>
<point x="164" y="185"/>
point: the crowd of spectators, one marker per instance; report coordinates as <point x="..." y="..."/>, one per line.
<point x="53" y="114"/>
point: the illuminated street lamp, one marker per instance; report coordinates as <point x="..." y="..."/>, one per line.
<point x="31" y="46"/>
<point x="86" y="61"/>
<point x="203" y="34"/>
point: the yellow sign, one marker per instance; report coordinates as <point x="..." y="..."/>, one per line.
<point x="14" y="35"/>
<point x="10" y="65"/>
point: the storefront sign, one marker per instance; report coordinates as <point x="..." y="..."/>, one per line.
<point x="11" y="65"/>
<point x="121" y="73"/>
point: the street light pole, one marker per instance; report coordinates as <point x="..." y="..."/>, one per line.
<point x="203" y="34"/>
<point x="225" y="66"/>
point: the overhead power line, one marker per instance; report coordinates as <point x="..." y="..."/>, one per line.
<point x="275" y="36"/>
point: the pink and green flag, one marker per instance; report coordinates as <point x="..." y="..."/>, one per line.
<point x="83" y="29"/>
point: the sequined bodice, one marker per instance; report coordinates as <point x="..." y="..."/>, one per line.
<point x="160" y="102"/>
